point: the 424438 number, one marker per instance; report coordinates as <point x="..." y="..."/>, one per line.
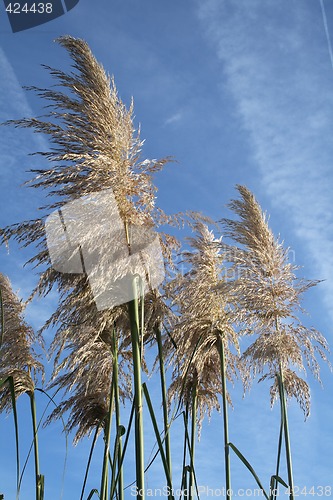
<point x="35" y="8"/>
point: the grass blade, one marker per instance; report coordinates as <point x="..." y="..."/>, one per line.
<point x="249" y="467"/>
<point x="157" y="434"/>
<point x="89" y="461"/>
<point x="274" y="486"/>
<point x="130" y="422"/>
<point x="280" y="480"/>
<point x="92" y="493"/>
<point x="51" y="400"/>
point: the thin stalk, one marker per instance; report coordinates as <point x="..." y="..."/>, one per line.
<point x="184" y="473"/>
<point x="38" y="485"/>
<point x="193" y="436"/>
<point x="129" y="427"/>
<point x="164" y="402"/>
<point x="114" y="463"/>
<point x="186" y="489"/>
<point x="107" y="434"/>
<point x="158" y="437"/>
<point x="133" y="310"/>
<point x="275" y="484"/>
<point x="117" y="411"/>
<point x="225" y="420"/>
<point x="89" y="461"/>
<point x="284" y="414"/>
<point x="286" y="435"/>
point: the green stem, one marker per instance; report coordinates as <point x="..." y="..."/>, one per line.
<point x="89" y="461"/>
<point x="186" y="489"/>
<point x="184" y="473"/>
<point x="113" y="487"/>
<point x="286" y="435"/>
<point x="133" y="310"/>
<point x="164" y="402"/>
<point x="277" y="471"/>
<point x="225" y="419"/>
<point x="36" y="453"/>
<point x="193" y="436"/>
<point x="107" y="434"/>
<point x="117" y="411"/>
<point x="158" y="437"/>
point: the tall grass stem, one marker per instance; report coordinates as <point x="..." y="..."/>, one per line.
<point x="225" y="420"/>
<point x="107" y="435"/>
<point x="286" y="435"/>
<point x="164" y="402"/>
<point x="39" y="494"/>
<point x="133" y="309"/>
<point x="193" y="436"/>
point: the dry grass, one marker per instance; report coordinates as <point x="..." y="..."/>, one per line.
<point x="95" y="147"/>
<point x="204" y="317"/>
<point x="269" y="294"/>
<point x="18" y="358"/>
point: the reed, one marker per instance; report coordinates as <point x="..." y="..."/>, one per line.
<point x="20" y="367"/>
<point x="95" y="148"/>
<point x="219" y="292"/>
<point x="269" y="293"/>
<point x="204" y="323"/>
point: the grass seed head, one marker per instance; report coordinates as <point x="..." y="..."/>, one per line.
<point x="269" y="294"/>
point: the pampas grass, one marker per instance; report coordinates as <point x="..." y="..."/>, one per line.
<point x="207" y="343"/>
<point x="19" y="364"/>
<point x="218" y="292"/>
<point x="269" y="294"/>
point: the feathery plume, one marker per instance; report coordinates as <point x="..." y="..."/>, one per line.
<point x="269" y="294"/>
<point x="85" y="375"/>
<point x="95" y="148"/>
<point x="205" y="319"/>
<point x="17" y="357"/>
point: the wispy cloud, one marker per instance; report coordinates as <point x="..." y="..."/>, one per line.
<point x="176" y="117"/>
<point x="16" y="203"/>
<point x="12" y="97"/>
<point x="275" y="64"/>
<point x="327" y="33"/>
<point x="15" y="145"/>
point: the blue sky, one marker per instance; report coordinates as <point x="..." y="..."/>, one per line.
<point x="237" y="91"/>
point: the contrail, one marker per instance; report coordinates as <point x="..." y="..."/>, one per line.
<point x="326" y="31"/>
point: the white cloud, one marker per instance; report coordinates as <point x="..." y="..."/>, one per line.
<point x="17" y="203"/>
<point x="173" y="118"/>
<point x="12" y="97"/>
<point x="15" y="144"/>
<point x="277" y="69"/>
